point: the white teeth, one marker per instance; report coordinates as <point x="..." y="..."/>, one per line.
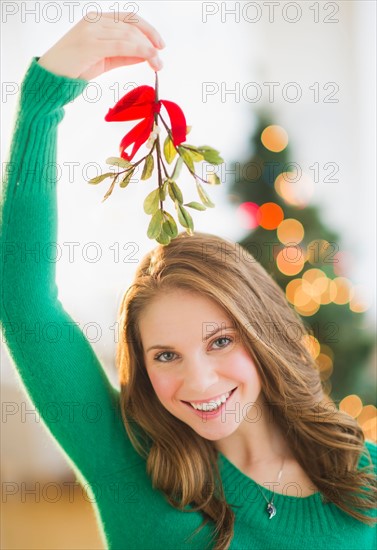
<point x="211" y="405"/>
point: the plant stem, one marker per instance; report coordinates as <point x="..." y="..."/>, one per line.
<point x="189" y="169"/>
<point x="158" y="150"/>
<point x="138" y="162"/>
<point x="168" y="131"/>
<point x="164" y="167"/>
<point x="156" y="87"/>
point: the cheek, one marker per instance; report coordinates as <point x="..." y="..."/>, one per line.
<point x="164" y="386"/>
<point x="244" y="369"/>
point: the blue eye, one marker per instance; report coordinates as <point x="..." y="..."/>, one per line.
<point x="226" y="338"/>
<point x="157" y="358"/>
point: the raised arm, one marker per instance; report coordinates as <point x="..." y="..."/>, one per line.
<point x="54" y="360"/>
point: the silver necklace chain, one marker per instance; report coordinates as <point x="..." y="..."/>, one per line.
<point x="271" y="509"/>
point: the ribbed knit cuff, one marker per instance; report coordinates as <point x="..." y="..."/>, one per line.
<point x="43" y="91"/>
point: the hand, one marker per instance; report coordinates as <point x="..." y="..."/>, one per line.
<point x="92" y="48"/>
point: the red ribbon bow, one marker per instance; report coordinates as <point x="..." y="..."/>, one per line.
<point x="141" y="103"/>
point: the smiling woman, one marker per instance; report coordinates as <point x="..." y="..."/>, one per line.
<point x="202" y="375"/>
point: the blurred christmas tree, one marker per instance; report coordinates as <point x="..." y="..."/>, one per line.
<point x="291" y="241"/>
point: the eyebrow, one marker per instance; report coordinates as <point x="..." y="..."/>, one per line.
<point x="159" y="346"/>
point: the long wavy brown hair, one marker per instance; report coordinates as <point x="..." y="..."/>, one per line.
<point x="325" y="441"/>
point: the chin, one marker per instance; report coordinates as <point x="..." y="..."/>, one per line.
<point x="213" y="434"/>
<point x="211" y="437"/>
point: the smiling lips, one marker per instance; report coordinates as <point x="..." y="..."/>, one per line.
<point x="212" y="403"/>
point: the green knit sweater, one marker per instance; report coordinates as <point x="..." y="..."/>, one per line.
<point x="60" y="371"/>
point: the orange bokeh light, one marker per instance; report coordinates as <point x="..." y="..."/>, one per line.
<point x="290" y="231"/>
<point x="344" y="291"/>
<point x="370" y="429"/>
<point x="302" y="297"/>
<point x="313" y="274"/>
<point x="290" y="261"/>
<point x="358" y="307"/>
<point x="368" y="412"/>
<point x="319" y="287"/>
<point x="291" y="288"/>
<point x="352" y="405"/>
<point x="274" y="138"/>
<point x="295" y="189"/>
<point x="367" y="419"/>
<point x="328" y="293"/>
<point x="270" y="215"/>
<point x="308" y="309"/>
<point x="321" y="251"/>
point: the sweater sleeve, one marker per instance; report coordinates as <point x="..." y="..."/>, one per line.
<point x="56" y="363"/>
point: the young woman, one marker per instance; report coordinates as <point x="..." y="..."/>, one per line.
<point x="221" y="435"/>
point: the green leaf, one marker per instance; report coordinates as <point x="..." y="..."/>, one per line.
<point x="163" y="238"/>
<point x="118" y="161"/>
<point x="148" y="167"/>
<point x="213" y="179"/>
<point x="193" y="152"/>
<point x="184" y="217"/>
<point x="163" y="189"/>
<point x="210" y="155"/>
<point x="169" y="150"/>
<point x="154" y="227"/>
<point x="174" y="191"/>
<point x="186" y="158"/>
<point x="101" y="177"/>
<point x="127" y="178"/>
<point x="151" y="201"/>
<point x="169" y="226"/>
<point x="195" y="205"/>
<point x="177" y="168"/>
<point x="110" y="190"/>
<point x="203" y="196"/>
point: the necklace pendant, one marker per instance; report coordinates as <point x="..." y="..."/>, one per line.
<point x="271" y="510"/>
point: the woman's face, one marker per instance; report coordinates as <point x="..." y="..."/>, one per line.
<point x="193" y="353"/>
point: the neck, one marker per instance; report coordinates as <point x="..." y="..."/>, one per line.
<point x="259" y="442"/>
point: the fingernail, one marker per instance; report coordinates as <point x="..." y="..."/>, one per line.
<point x="157" y="63"/>
<point x="161" y="43"/>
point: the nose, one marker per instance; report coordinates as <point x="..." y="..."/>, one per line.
<point x="199" y="375"/>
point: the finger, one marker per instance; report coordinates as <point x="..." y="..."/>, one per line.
<point x="140" y="44"/>
<point x="137" y="21"/>
<point x="124" y="48"/>
<point x="128" y="34"/>
<point x="125" y="32"/>
<point x="115" y="62"/>
<point x="155" y="63"/>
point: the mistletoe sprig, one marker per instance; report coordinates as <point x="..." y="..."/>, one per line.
<point x="143" y="103"/>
